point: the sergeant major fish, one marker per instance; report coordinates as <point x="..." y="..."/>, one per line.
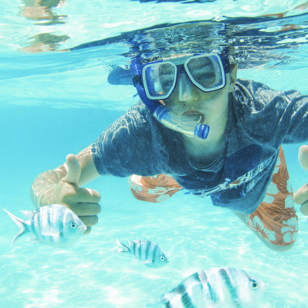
<point x="53" y="225"/>
<point x="147" y="252"/>
<point x="215" y="288"/>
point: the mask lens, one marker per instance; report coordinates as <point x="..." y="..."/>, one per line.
<point x="206" y="72"/>
<point x="159" y="79"/>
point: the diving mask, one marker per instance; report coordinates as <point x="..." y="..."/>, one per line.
<point x="206" y="71"/>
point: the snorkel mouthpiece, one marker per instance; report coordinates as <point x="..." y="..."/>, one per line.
<point x="202" y="131"/>
<point x="188" y="125"/>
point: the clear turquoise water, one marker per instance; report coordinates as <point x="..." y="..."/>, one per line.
<point x="52" y="104"/>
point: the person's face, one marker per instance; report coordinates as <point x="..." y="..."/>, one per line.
<point x="188" y="99"/>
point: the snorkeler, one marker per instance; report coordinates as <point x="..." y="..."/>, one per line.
<point x="199" y="128"/>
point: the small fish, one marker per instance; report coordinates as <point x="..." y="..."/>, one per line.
<point x="215" y="288"/>
<point x="147" y="252"/>
<point x="53" y="225"/>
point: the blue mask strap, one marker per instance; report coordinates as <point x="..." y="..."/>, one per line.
<point x="135" y="68"/>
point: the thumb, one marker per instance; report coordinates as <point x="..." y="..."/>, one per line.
<point x="73" y="170"/>
<point x="303" y="156"/>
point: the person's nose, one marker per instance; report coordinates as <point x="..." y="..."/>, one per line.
<point x="185" y="88"/>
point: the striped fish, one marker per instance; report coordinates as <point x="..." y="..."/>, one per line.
<point x="53" y="225"/>
<point x="147" y="252"/>
<point x="215" y="288"/>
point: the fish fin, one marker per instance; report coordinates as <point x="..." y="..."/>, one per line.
<point x="150" y="264"/>
<point x="121" y="248"/>
<point x="33" y="239"/>
<point x="130" y="244"/>
<point x="28" y="214"/>
<point x="21" y="224"/>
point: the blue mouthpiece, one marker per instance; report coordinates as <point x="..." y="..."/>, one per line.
<point x="202" y="131"/>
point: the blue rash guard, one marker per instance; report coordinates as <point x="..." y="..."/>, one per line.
<point x="259" y="121"/>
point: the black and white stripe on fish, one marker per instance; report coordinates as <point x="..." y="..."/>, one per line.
<point x="53" y="225"/>
<point x="147" y="252"/>
<point x="215" y="288"/>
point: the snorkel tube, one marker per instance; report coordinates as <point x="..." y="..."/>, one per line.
<point x="188" y="125"/>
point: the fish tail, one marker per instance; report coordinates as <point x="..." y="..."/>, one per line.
<point x="121" y="247"/>
<point x="21" y="224"/>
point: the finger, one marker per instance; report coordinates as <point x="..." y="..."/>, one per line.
<point x="85" y="195"/>
<point x="89" y="220"/>
<point x="303" y="156"/>
<point x="73" y="170"/>
<point x="301" y="195"/>
<point x="304" y="208"/>
<point x="87" y="231"/>
<point x="85" y="209"/>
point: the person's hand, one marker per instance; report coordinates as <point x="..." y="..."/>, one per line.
<point x="301" y="195"/>
<point x="82" y="201"/>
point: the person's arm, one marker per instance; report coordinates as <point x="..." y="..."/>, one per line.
<point x="63" y="186"/>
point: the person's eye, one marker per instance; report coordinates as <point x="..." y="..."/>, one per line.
<point x="167" y="76"/>
<point x="208" y="77"/>
<point x="205" y="75"/>
<point x="166" y="83"/>
<point x="167" y="72"/>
